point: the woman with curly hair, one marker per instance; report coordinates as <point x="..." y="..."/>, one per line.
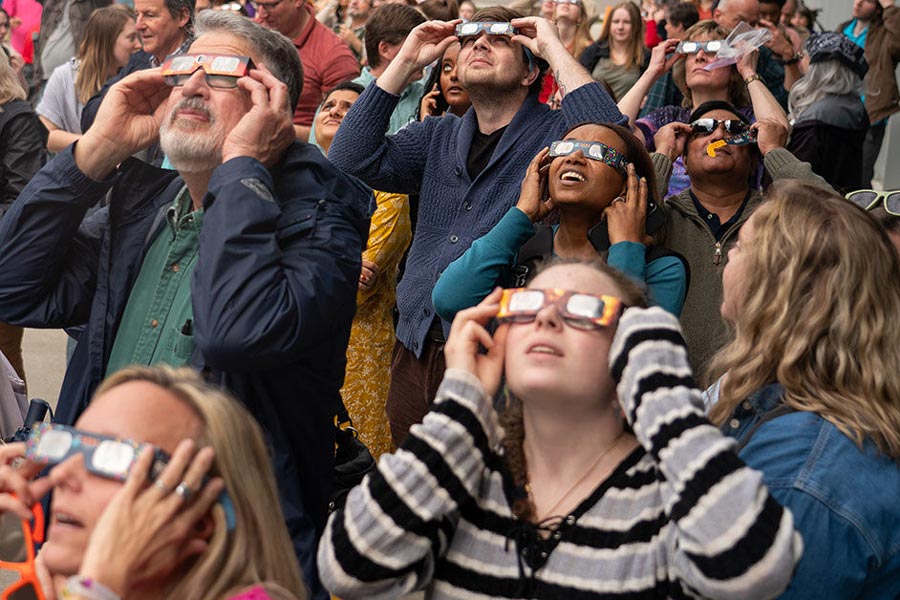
<point x="811" y="386"/>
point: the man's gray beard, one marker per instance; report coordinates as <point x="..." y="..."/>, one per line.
<point x="188" y="152"/>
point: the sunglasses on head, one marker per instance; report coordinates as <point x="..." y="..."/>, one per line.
<point x="695" y="47"/>
<point x="112" y="458"/>
<point x="593" y="150"/>
<point x="220" y="70"/>
<point x="870" y="199"/>
<point x="577" y="310"/>
<point x="707" y="126"/>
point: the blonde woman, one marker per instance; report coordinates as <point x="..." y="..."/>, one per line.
<point x="208" y="528"/>
<point x="619" y="57"/>
<point x="110" y="39"/>
<point x="811" y="385"/>
<point x="22" y="140"/>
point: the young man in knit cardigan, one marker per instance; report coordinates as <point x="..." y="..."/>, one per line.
<point x="466" y="171"/>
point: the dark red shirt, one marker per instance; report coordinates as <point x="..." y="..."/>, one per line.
<point x="327" y="61"/>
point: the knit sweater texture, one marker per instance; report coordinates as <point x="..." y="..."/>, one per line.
<point x="429" y="158"/>
<point x="681" y="516"/>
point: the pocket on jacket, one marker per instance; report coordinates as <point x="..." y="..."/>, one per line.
<point x="184" y="346"/>
<point x="298" y="223"/>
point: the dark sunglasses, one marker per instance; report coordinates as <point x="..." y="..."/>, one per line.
<point x="707" y="126"/>
<point x="869" y="199"/>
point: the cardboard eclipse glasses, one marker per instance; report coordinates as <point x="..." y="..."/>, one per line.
<point x="220" y="70"/>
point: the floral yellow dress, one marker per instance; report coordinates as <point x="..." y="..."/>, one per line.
<point x="372" y="336"/>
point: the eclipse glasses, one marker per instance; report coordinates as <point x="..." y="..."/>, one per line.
<point x="592" y="150"/>
<point x="689" y="47"/>
<point x="581" y="311"/>
<point x="220" y="70"/>
<point x="491" y="28"/>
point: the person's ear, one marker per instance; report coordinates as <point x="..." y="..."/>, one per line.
<point x="184" y="17"/>
<point x="387" y="51"/>
<point x="533" y="73"/>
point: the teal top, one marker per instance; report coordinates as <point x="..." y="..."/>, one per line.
<point x="489" y="262"/>
<point x="157" y="326"/>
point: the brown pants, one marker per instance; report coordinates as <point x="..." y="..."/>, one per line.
<point x="11" y="346"/>
<point x="414" y="384"/>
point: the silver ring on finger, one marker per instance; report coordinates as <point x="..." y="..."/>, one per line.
<point x="618" y="199"/>
<point x="184" y="491"/>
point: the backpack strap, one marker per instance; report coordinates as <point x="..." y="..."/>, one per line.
<point x="536" y="249"/>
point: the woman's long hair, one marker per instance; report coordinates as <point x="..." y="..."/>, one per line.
<point x="827" y="78"/>
<point x="511" y="415"/>
<point x="258" y="549"/>
<point x="737" y="89"/>
<point x="96" y="52"/>
<point x="636" y="41"/>
<point x="10" y="88"/>
<point x="819" y="315"/>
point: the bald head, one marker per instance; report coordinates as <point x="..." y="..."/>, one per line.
<point x="731" y="12"/>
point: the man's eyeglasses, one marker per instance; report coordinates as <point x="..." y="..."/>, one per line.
<point x="870" y="199"/>
<point x="689" y="47"/>
<point x="707" y="126"/>
<point x="17" y="554"/>
<point x="581" y="311"/>
<point x="593" y="150"/>
<point x="269" y="6"/>
<point x="220" y="70"/>
<point x="104" y="456"/>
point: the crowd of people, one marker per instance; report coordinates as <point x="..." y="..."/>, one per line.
<point x="607" y="310"/>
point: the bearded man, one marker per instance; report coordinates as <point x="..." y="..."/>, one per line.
<point x="242" y="263"/>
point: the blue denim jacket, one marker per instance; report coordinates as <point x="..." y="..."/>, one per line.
<point x="845" y="501"/>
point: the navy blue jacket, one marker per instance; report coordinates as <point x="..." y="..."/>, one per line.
<point x="273" y="292"/>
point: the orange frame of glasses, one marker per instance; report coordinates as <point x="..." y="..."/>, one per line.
<point x="27" y="571"/>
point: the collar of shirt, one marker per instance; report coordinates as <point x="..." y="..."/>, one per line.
<point x="718" y="228"/>
<point x="182" y="212"/>
<point x="859" y="40"/>
<point x="311" y="22"/>
<point x="182" y="49"/>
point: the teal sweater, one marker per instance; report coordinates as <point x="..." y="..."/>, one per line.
<point x="489" y="262"/>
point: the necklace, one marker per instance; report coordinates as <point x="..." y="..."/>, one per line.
<point x="578" y="482"/>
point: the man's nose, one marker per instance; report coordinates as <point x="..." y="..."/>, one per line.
<point x="196" y="84"/>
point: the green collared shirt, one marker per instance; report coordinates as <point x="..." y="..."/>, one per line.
<point x="157" y="326"/>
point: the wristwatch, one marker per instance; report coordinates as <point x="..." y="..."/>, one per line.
<point x="754" y="77"/>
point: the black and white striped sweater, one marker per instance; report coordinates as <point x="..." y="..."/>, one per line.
<point x="681" y="516"/>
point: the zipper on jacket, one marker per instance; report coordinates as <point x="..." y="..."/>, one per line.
<point x="717" y="257"/>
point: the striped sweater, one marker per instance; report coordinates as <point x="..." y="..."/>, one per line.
<point x="681" y="516"/>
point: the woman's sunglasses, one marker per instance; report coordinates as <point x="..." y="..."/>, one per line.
<point x="707" y="126"/>
<point x="578" y="310"/>
<point x="869" y="199"/>
<point x="695" y="47"/>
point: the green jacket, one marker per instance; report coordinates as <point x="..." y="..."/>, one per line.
<point x="686" y="233"/>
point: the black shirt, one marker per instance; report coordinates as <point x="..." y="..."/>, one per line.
<point x="718" y="228"/>
<point x="483" y="146"/>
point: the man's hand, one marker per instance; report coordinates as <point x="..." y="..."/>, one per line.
<point x="424" y="45"/>
<point x="770" y="134"/>
<point x="346" y="34"/>
<point x="670" y="139"/>
<point x="266" y="131"/>
<point x="538" y="35"/>
<point x="127" y="122"/>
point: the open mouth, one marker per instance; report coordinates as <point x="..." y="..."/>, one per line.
<point x="544" y="349"/>
<point x="573" y="176"/>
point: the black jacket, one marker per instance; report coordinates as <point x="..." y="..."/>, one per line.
<point x="23" y="139"/>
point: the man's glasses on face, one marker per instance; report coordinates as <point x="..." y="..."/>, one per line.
<point x="577" y="310"/>
<point x="708" y="126"/>
<point x="592" y="150"/>
<point x="220" y="70"/>
<point x="695" y="47"/>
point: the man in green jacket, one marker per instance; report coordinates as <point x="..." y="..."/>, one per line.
<point x="704" y="220"/>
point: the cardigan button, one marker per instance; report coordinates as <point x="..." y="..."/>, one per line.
<point x="458" y="171"/>
<point x="454" y="238"/>
<point x="467" y="205"/>
<point x="734" y="423"/>
<point x="746" y="404"/>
